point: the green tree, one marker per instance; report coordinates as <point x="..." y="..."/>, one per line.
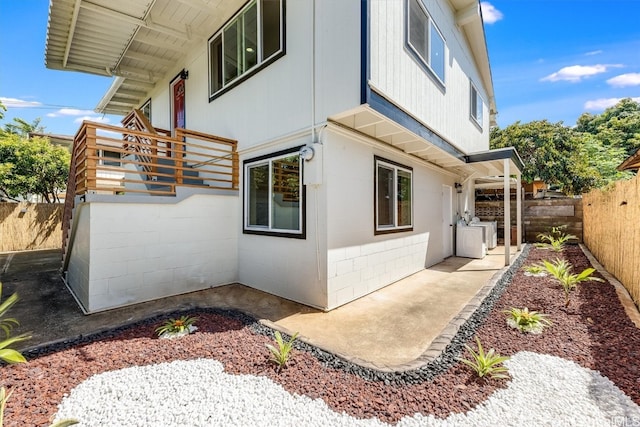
<point x="32" y="166"/>
<point x="617" y="126"/>
<point x="593" y="165"/>
<point x="23" y="128"/>
<point x="545" y="149"/>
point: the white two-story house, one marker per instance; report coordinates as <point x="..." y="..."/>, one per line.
<point x="355" y="130"/>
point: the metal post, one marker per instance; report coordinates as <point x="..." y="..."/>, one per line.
<point x="507" y="213"/>
<point x="519" y="208"/>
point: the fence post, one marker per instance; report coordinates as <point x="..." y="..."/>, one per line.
<point x="235" y="169"/>
<point x="90" y="157"/>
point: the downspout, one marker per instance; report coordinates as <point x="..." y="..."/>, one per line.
<point x="313" y="133"/>
<point x="313" y="71"/>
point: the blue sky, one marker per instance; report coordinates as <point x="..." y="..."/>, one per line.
<point x="550" y="59"/>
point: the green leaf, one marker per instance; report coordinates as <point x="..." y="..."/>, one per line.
<point x="65" y="423"/>
<point x="10" y="341"/>
<point x="11" y="356"/>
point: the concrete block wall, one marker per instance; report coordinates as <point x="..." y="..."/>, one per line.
<point x="144" y="251"/>
<point x="359" y="270"/>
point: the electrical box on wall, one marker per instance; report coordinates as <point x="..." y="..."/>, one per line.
<point x="313" y="159"/>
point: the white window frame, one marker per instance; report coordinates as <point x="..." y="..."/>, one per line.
<point x="270" y="229"/>
<point x="476" y="105"/>
<point x="146" y="109"/>
<point x="388" y="164"/>
<point x="260" y="62"/>
<point x="105" y="160"/>
<point x="420" y="56"/>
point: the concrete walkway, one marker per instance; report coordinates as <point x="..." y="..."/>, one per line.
<point x="391" y="329"/>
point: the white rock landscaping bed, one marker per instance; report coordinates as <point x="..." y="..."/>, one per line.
<point x="545" y="390"/>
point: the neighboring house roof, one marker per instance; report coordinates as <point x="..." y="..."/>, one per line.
<point x="61" y="140"/>
<point x="631" y="163"/>
<point x="139" y="41"/>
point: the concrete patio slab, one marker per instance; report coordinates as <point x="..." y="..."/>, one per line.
<point x="391" y="328"/>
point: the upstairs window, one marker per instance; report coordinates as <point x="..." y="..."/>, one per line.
<point x="424" y="39"/>
<point x="475" y="105"/>
<point x="146" y="109"/>
<point x="251" y="39"/>
<point x="394" y="188"/>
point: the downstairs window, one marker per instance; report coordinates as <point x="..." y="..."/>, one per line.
<point x="394" y="190"/>
<point x="274" y="195"/>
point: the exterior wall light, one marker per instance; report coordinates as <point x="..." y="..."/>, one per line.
<point x="306" y="153"/>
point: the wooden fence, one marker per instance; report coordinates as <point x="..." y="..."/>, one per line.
<point x="612" y="231"/>
<point x="538" y="216"/>
<point x="27" y="226"/>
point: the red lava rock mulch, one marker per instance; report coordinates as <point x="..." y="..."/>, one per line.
<point x="593" y="331"/>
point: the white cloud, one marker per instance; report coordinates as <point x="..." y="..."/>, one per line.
<point x="98" y="119"/>
<point x="576" y="73"/>
<point x="490" y="14"/>
<point x="603" y="103"/>
<point x="19" y="103"/>
<point x="593" y="52"/>
<point x="70" y="112"/>
<point x="624" y="80"/>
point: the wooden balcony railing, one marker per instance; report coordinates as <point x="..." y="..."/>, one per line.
<point x="126" y="160"/>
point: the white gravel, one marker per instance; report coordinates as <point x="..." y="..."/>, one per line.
<point x="545" y="391"/>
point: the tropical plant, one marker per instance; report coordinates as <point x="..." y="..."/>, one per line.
<point x="486" y="364"/>
<point x="534" y="270"/>
<point x="181" y="325"/>
<point x="527" y="321"/>
<point x="6" y="324"/>
<point x="13" y="356"/>
<point x="562" y="273"/>
<point x="280" y="355"/>
<point x="556" y="239"/>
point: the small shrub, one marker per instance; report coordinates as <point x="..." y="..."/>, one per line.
<point x="534" y="270"/>
<point x="280" y="355"/>
<point x="561" y="272"/>
<point x="486" y="364"/>
<point x="182" y="326"/>
<point x="527" y="321"/>
<point x="556" y="239"/>
<point x="558" y="268"/>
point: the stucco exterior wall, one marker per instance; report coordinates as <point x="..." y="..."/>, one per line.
<point x="280" y="99"/>
<point x="289" y="267"/>
<point x="358" y="261"/>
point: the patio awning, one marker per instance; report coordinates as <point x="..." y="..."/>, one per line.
<point x="492" y="162"/>
<point x="429" y="146"/>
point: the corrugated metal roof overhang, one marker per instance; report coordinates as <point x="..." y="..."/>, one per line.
<point x="139" y="41"/>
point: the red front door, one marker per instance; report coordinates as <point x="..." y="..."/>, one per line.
<point x="178" y="104"/>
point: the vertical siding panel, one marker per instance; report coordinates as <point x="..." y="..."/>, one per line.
<point x="400" y="78"/>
